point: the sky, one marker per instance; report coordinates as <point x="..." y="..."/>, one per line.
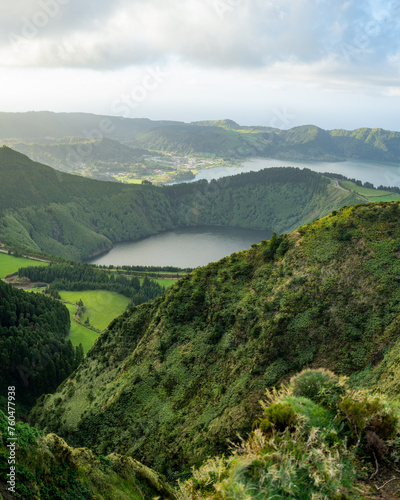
<point x="280" y="63"/>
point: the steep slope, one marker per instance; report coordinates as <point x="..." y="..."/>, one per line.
<point x="47" y="468"/>
<point x="25" y="183"/>
<point x="34" y="353"/>
<point x="370" y="144"/>
<point x="171" y="381"/>
<point x="73" y="217"/>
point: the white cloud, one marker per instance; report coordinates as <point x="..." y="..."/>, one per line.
<point x="223" y="33"/>
<point x="254" y="53"/>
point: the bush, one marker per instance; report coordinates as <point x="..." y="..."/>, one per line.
<point x="321" y="386"/>
<point x="279" y="416"/>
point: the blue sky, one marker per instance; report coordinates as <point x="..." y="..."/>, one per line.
<point x="282" y="63"/>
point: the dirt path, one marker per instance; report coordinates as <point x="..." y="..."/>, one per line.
<point x="338" y="186"/>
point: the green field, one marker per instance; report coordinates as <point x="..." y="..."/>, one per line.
<point x="371" y="194"/>
<point x="79" y="334"/>
<point x="10" y="264"/>
<point x="101" y="306"/>
<point x="388" y="197"/>
<point x="166" y="283"/>
<point x="128" y="180"/>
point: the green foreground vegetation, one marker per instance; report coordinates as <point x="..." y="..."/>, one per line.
<point x="315" y="438"/>
<point x="49" y="469"/>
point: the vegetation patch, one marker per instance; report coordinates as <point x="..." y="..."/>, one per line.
<point x="301" y="449"/>
<point x="78" y="333"/>
<point x="10" y="264"/>
<point x="101" y="306"/>
<point x="46" y="468"/>
<point x="370" y="193"/>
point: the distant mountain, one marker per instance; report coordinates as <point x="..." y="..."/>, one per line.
<point x="74" y="217"/>
<point x="45" y="124"/>
<point x="222" y="138"/>
<point x="370" y="144"/>
<point x="195" y="139"/>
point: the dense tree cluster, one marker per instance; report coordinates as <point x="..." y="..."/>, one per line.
<point x="34" y="355"/>
<point x="79" y="276"/>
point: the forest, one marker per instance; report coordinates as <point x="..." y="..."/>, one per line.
<point x="79" y="276"/>
<point x="35" y="356"/>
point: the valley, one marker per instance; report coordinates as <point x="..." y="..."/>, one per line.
<point x="197" y="379"/>
<point x="136" y="150"/>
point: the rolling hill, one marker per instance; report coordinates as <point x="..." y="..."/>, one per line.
<point x="222" y="138"/>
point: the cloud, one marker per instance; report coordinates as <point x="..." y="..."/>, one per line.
<point x="101" y="35"/>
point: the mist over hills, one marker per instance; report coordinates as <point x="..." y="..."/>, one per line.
<point x="223" y="138"/>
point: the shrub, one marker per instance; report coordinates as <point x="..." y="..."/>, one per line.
<point x="368" y="421"/>
<point x="279" y="416"/>
<point x="321" y="386"/>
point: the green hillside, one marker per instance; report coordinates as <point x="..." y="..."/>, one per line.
<point x="75" y="218"/>
<point x="171" y="381"/>
<point x="222" y="138"/>
<point x="191" y="139"/>
<point x="25" y="183"/>
<point x="99" y="159"/>
<point x="373" y="144"/>
<point x="47" y="468"/>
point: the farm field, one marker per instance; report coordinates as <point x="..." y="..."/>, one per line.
<point x="10" y="264"/>
<point x="371" y="194"/>
<point x="101" y="306"/>
<point x="167" y="283"/>
<point x="79" y="334"/>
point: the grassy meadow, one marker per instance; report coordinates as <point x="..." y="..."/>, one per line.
<point x="370" y="194"/>
<point x="165" y="282"/>
<point x="79" y="334"/>
<point x="101" y="306"/>
<point x="10" y="264"/>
